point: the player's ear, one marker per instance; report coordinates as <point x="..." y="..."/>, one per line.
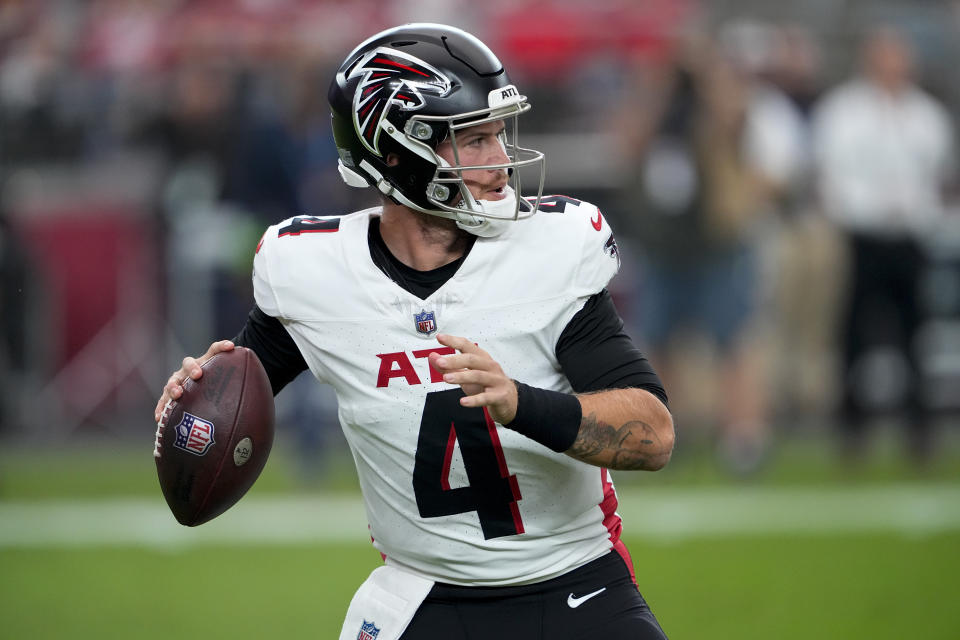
<point x="392" y="159"/>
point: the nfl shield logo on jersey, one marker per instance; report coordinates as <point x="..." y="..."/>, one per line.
<point x="368" y="631"/>
<point x="426" y="322"/>
<point x="193" y="434"/>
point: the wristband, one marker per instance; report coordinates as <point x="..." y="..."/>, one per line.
<point x="549" y="417"/>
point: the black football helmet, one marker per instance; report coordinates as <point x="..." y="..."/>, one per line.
<point x="406" y="90"/>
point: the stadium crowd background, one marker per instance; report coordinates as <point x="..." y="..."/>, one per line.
<point x="145" y="144"/>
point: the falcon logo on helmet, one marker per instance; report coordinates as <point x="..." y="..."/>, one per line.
<point x="390" y="77"/>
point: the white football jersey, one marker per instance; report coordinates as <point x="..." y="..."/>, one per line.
<point x="448" y="493"/>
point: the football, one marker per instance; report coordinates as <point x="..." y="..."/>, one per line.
<point x="213" y="442"/>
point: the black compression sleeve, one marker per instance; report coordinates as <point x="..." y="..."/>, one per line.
<point x="595" y="353"/>
<point x="548" y="417"/>
<point x="268" y="338"/>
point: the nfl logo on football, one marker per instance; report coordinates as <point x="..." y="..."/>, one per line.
<point x="368" y="631"/>
<point x="426" y="322"/>
<point x="193" y="434"/>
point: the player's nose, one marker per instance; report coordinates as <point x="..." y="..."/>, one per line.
<point x="498" y="155"/>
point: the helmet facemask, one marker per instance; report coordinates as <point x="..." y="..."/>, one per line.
<point x="448" y="192"/>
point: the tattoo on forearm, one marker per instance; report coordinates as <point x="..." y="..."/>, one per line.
<point x="600" y="438"/>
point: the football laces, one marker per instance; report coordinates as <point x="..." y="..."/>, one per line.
<point x="161" y="423"/>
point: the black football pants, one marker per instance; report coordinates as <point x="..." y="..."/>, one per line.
<point x="598" y="600"/>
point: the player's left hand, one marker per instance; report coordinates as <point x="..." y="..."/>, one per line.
<point x="479" y="375"/>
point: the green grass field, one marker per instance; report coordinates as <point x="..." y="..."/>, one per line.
<point x="805" y="550"/>
<point x="847" y="587"/>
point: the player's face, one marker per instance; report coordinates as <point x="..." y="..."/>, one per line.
<point x="479" y="145"/>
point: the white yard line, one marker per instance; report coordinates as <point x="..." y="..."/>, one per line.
<point x="662" y="514"/>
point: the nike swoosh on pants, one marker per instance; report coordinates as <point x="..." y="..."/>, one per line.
<point x="573" y="602"/>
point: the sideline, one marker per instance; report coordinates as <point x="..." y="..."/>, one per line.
<point x="661" y="514"/>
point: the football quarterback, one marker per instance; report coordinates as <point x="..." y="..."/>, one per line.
<point x="484" y="381"/>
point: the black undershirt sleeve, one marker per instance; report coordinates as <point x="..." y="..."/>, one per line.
<point x="268" y="338"/>
<point x="595" y="353"/>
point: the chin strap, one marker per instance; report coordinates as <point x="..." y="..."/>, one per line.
<point x="496" y="212"/>
<point x="486" y="228"/>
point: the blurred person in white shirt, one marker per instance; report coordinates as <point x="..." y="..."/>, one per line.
<point x="884" y="151"/>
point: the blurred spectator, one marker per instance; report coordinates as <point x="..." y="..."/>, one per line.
<point x="38" y="119"/>
<point x="200" y="120"/>
<point x="806" y="254"/>
<point x="284" y="164"/>
<point x="795" y="65"/>
<point x="17" y="334"/>
<point x="884" y="152"/>
<point x="705" y="176"/>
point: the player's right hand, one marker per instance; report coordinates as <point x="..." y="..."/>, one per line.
<point x="191" y="368"/>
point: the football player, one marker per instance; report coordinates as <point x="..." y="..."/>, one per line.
<point x="484" y="381"/>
